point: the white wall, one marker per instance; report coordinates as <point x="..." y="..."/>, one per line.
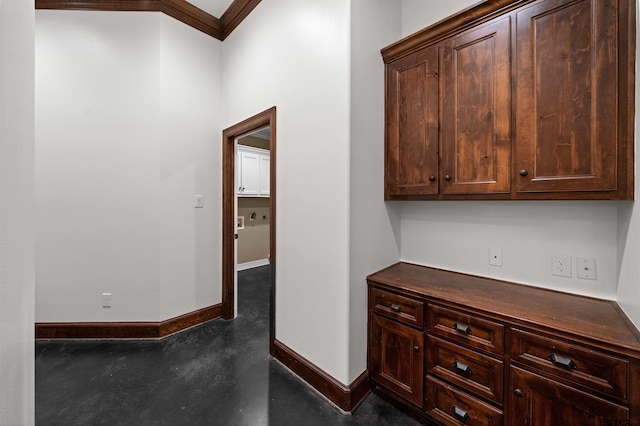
<point x="127" y="131"/>
<point x="295" y="55"/>
<point x="458" y="235"/>
<point x="417" y="14"/>
<point x="16" y="213"/>
<point x="374" y="224"/>
<point x="629" y="229"/>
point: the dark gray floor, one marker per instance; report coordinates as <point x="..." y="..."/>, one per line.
<point x="218" y="373"/>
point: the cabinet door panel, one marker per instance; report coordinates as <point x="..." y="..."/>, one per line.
<point x="476" y="111"/>
<point x="566" y="91"/>
<point x="538" y="401"/>
<point x="265" y="175"/>
<point x="397" y="358"/>
<point x="412" y="125"/>
<point x="249" y="174"/>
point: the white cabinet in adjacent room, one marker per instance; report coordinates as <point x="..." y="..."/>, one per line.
<point x="253" y="169"/>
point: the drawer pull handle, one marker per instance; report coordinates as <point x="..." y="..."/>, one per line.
<point x="462" y="367"/>
<point x="460" y="413"/>
<point x="462" y="328"/>
<point x="395" y="307"/>
<point x="518" y="393"/>
<point x="562" y="361"/>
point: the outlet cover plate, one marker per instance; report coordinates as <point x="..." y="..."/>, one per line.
<point x="495" y="256"/>
<point x="561" y="265"/>
<point x="106" y="300"/>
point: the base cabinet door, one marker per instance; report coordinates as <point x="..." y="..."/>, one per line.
<point x="397" y="358"/>
<point x="540" y="401"/>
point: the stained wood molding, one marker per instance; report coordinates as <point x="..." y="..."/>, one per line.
<point x="126" y="330"/>
<point x="345" y="398"/>
<point x="183" y="11"/>
<point x="235" y="14"/>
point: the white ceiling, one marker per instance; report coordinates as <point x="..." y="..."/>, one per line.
<point x="212" y="7"/>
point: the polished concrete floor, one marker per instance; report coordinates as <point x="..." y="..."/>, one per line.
<point x="218" y="373"/>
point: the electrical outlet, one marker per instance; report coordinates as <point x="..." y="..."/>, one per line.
<point x="561" y="266"/>
<point x="495" y="256"/>
<point x="106" y="300"/>
<point x="586" y="268"/>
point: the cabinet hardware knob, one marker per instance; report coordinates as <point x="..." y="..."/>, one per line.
<point x="459" y="412"/>
<point x="416" y="348"/>
<point x="447" y="177"/>
<point x="562" y="361"/>
<point x="524" y="172"/>
<point x="432" y="178"/>
<point x="395" y="307"/>
<point x="462" y="328"/>
<point x="462" y="367"/>
<point x="518" y="393"/>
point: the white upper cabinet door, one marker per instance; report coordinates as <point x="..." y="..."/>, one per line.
<point x="265" y="174"/>
<point x="253" y="172"/>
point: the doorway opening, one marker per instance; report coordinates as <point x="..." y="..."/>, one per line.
<point x="230" y="188"/>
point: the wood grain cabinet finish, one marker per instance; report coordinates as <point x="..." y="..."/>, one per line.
<point x="566" y="84"/>
<point x="491" y="352"/>
<point x="514" y="99"/>
<point x="396" y="358"/>
<point x="476" y="110"/>
<point x="537" y="400"/>
<point x="411" y="160"/>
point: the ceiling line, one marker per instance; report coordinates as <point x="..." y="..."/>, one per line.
<point x="183" y="11"/>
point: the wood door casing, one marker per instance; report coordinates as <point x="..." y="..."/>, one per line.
<point x="411" y="160"/>
<point x="476" y="111"/>
<point x="566" y="85"/>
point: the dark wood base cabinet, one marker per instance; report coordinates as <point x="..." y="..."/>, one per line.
<point x="457" y="349"/>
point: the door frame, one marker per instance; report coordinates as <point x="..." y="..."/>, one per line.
<point x="229" y="136"/>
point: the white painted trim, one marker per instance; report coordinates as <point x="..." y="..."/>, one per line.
<point x="252" y="264"/>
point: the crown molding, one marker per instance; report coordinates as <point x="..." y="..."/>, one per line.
<point x="183" y="11"/>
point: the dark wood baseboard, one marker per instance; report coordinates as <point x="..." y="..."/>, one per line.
<point x="345" y="398"/>
<point x="126" y="330"/>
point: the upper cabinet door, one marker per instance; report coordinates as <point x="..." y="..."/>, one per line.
<point x="411" y="162"/>
<point x="476" y="111"/>
<point x="265" y="175"/>
<point x="566" y="91"/>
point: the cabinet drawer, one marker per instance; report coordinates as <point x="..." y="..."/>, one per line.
<point x="453" y="407"/>
<point x="580" y="365"/>
<point x="400" y="308"/>
<point x="470" y="370"/>
<point x="466" y="328"/>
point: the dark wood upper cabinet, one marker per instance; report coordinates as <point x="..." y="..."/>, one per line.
<point x="566" y="85"/>
<point x="476" y="111"/>
<point x="533" y="100"/>
<point x="412" y="131"/>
